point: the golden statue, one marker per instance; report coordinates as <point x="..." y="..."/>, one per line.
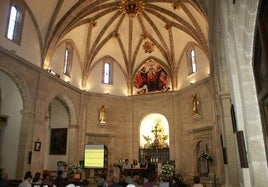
<point x="148" y="141"/>
<point x="102" y="114"/>
<point x="160" y="139"/>
<point x="195" y="104"/>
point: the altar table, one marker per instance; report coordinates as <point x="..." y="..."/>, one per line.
<point x="134" y="171"/>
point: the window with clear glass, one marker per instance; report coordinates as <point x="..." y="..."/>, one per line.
<point x="68" y="56"/>
<point x="12" y="22"/>
<point x="192" y="62"/>
<point x="15" y="21"/>
<point x="107" y="73"/>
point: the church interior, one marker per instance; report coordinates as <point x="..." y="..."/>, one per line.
<point x="176" y="82"/>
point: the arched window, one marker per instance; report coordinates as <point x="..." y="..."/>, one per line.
<point x="68" y="57"/>
<point x="12" y="22"/>
<point x="192" y="62"/>
<point x="15" y="22"/>
<point x="107" y="73"/>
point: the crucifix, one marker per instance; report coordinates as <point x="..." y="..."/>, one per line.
<point x="155" y="131"/>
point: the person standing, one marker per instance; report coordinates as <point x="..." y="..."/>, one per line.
<point x="149" y="169"/>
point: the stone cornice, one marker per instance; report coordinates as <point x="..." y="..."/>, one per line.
<point x="100" y="135"/>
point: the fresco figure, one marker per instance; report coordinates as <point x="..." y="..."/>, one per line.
<point x="141" y="78"/>
<point x="162" y="78"/>
<point x="151" y="78"/>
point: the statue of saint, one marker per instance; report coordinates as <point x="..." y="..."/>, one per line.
<point x="102" y="114"/>
<point x="195" y="104"/>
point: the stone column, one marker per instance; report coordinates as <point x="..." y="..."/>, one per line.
<point x="25" y="143"/>
<point x="3" y="121"/>
<point x="73" y="148"/>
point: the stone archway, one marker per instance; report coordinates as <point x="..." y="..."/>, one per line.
<point x="106" y="139"/>
<point x="62" y="115"/>
<point x="11" y="131"/>
<point x="149" y="127"/>
<point x="154" y="139"/>
<point x="202" y="165"/>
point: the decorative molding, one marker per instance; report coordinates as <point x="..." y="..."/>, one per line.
<point x="102" y="124"/>
<point x="148" y="46"/>
<point x="201" y="128"/>
<point x="132" y="8"/>
<point x="197" y="117"/>
<point x="73" y="126"/>
<point x="100" y="135"/>
<point x="177" y="5"/>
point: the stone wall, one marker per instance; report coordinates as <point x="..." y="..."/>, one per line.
<point x="123" y="119"/>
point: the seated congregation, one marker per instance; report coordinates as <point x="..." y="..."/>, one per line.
<point x="135" y="174"/>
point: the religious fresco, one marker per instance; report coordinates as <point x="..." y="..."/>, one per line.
<point x="151" y="77"/>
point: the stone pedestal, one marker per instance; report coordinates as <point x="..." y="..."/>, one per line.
<point x="204" y="168"/>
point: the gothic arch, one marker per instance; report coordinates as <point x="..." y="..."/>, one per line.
<point x="201" y="166"/>
<point x="71" y="124"/>
<point x="71" y="109"/>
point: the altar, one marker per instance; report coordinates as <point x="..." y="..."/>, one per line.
<point x="134" y="171"/>
<point x="156" y="147"/>
<point x="155" y="155"/>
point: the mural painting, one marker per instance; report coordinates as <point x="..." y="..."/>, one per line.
<point x="151" y="77"/>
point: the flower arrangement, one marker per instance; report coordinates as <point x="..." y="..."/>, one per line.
<point x="203" y="155"/>
<point x="119" y="163"/>
<point x="75" y="168"/>
<point x="167" y="171"/>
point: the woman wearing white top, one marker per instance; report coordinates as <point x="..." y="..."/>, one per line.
<point x="27" y="180"/>
<point x="135" y="164"/>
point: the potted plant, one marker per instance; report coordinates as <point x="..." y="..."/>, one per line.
<point x="77" y="167"/>
<point x="204" y="155"/>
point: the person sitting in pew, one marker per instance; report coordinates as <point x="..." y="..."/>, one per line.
<point x="26" y="180"/>
<point x="3" y="178"/>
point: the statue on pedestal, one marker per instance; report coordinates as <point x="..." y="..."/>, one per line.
<point x="102" y="115"/>
<point x="195" y="104"/>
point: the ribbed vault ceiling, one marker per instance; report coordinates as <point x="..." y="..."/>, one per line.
<point x="98" y="28"/>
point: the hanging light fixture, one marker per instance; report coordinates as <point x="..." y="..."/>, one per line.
<point x="131" y="7"/>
